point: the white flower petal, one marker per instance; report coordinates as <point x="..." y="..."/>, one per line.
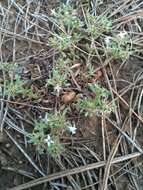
<point x="48" y="140"/>
<point x="108" y="39"/>
<point x="53" y="12"/>
<point x="58" y="89"/>
<point x="45" y="119"/>
<point x="122" y="34"/>
<point x="72" y="129"/>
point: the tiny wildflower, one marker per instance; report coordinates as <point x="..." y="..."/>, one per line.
<point x="108" y="40"/>
<point x="53" y="12"/>
<point x="93" y="46"/>
<point x="48" y="140"/>
<point x="72" y="129"/>
<point x="58" y="89"/>
<point x="122" y="34"/>
<point x="45" y="119"/>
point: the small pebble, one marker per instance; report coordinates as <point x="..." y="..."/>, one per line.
<point x="68" y="97"/>
<point x="18" y="136"/>
<point x="20" y="162"/>
<point x="8" y="145"/>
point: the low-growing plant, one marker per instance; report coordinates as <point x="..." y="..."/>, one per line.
<point x="97" y="105"/>
<point x="90" y="71"/>
<point x="57" y="121"/>
<point x="96" y="25"/>
<point x="8" y="66"/>
<point x="44" y="142"/>
<point x="66" y="17"/>
<point x="56" y="148"/>
<point x="12" y="84"/>
<point x="61" y="41"/>
<point x="76" y="36"/>
<point x="13" y="87"/>
<point x="46" y="133"/>
<point x="59" y="78"/>
<point x="67" y="24"/>
<point x="37" y="137"/>
<point x="119" y="46"/>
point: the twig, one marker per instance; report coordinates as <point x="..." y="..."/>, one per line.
<point x="25" y="154"/>
<point x="74" y="171"/>
<point x="122" y="99"/>
<point x="25" y="104"/>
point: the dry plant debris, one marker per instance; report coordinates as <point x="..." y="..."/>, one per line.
<point x="71" y="98"/>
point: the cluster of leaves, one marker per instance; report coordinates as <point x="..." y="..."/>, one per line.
<point x="71" y="29"/>
<point x="119" y="46"/>
<point x="59" y="77"/>
<point x="96" y="25"/>
<point x="15" y="87"/>
<point x="72" y="32"/>
<point x="12" y="84"/>
<point x="45" y="135"/>
<point x="97" y="105"/>
<point x="67" y="24"/>
<point x="67" y="16"/>
<point x="8" y="67"/>
<point x="37" y="137"/>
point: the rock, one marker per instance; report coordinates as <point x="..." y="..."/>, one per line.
<point x="68" y="97"/>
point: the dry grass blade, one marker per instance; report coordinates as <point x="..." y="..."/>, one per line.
<point x="25" y="154"/>
<point x="25" y="105"/>
<point x="74" y="171"/>
<point x="18" y="171"/>
<point x="62" y="48"/>
<point x="131" y="110"/>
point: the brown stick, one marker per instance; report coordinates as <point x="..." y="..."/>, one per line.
<point x="122" y="99"/>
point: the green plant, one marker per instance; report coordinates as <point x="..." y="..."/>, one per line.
<point x="56" y="148"/>
<point x="66" y="17"/>
<point x="61" y="41"/>
<point x="97" y="105"/>
<point x="15" y="87"/>
<point x="37" y="137"/>
<point x="119" y="46"/>
<point x="67" y="24"/>
<point x="59" y="78"/>
<point x="73" y="37"/>
<point x="96" y="25"/>
<point x="90" y="70"/>
<point x="105" y="23"/>
<point x="57" y="121"/>
<point x="45" y="135"/>
<point x="8" y="66"/>
<point x="46" y="143"/>
<point x="12" y="84"/>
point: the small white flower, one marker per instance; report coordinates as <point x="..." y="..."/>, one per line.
<point x="122" y="34"/>
<point x="45" y="119"/>
<point x="48" y="140"/>
<point x="53" y="12"/>
<point x="72" y="129"/>
<point x="58" y="89"/>
<point x="93" y="45"/>
<point x="108" y="40"/>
